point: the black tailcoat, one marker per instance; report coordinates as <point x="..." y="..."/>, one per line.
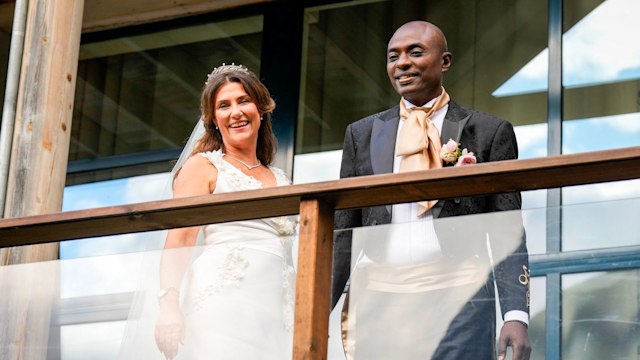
<point x="369" y="149"/>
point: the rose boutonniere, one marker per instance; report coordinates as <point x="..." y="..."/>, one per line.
<point x="451" y="153"/>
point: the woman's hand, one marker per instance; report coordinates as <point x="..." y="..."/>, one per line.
<point x="169" y="329"/>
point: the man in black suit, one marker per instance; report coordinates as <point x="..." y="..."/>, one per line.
<point x="417" y="58"/>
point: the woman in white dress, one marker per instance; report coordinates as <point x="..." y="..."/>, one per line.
<point x="235" y="301"/>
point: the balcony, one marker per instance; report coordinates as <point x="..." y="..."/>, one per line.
<point x="315" y="203"/>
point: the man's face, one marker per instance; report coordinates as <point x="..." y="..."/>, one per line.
<point x="416" y="60"/>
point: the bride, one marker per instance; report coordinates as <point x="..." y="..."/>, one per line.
<point x="235" y="300"/>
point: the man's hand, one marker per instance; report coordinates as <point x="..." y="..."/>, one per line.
<point x="514" y="334"/>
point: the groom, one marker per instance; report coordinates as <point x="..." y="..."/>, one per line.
<point x="405" y="138"/>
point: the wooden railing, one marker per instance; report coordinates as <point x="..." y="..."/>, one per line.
<point x="316" y="203"/>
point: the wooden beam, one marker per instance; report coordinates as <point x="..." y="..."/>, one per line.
<point x="102" y="14"/>
<point x="488" y="178"/>
<point x="313" y="283"/>
<point x="38" y="166"/>
<point x="43" y="115"/>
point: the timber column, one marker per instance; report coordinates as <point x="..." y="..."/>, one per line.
<point x="38" y="165"/>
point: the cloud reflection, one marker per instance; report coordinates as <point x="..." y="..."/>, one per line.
<point x="601" y="48"/>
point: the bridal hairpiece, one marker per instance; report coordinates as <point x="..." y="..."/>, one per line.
<point x="227" y="69"/>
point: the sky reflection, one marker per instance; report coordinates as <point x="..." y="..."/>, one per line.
<point x="600" y="48"/>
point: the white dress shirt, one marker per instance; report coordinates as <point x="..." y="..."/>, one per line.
<point x="412" y="239"/>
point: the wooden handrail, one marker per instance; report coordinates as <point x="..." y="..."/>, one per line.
<point x="316" y="204"/>
<point x="488" y="178"/>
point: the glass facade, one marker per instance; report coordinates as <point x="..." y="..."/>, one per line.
<point x="141" y="93"/>
<point x="137" y="100"/>
<point x="490" y="42"/>
<point x="600" y="108"/>
<point x="600" y="315"/>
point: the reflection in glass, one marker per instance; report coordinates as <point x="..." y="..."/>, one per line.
<point x="424" y="288"/>
<point x="601" y="133"/>
<point x="344" y="72"/>
<point x="111" y="193"/>
<point x="233" y="293"/>
<point x="99" y="341"/>
<point x="601" y="224"/>
<point x="600" y="315"/>
<point x="608" y="28"/>
<point x="601" y="79"/>
<point x="538" y="319"/>
<point x="232" y="297"/>
<point x="141" y="92"/>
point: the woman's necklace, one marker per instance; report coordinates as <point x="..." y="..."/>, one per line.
<point x="249" y="167"/>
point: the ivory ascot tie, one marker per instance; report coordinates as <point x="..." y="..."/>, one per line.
<point x="419" y="141"/>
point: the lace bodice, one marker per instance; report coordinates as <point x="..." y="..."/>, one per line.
<point x="237" y="242"/>
<point x="232" y="179"/>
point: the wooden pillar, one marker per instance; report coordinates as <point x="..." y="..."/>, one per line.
<point x="43" y="115"/>
<point x="313" y="283"/>
<point x="38" y="164"/>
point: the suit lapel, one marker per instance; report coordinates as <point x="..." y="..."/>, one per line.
<point x="383" y="140"/>
<point x="385" y="131"/>
<point x="454" y="122"/>
<point x="452" y="127"/>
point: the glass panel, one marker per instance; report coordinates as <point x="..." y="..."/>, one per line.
<point x="108" y="304"/>
<point x="538" y="318"/>
<point x="111" y="193"/>
<point x="600" y="109"/>
<point x="415" y="285"/>
<point x="532" y="143"/>
<point x="306" y="169"/>
<point x="600" y="315"/>
<point x="243" y="276"/>
<point x="142" y="92"/>
<point x="425" y="274"/>
<point x="601" y="75"/>
<point x="100" y="341"/>
<point x="344" y="76"/>
<point x="615" y="205"/>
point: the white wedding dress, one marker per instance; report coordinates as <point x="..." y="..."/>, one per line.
<point x="238" y="294"/>
<point x="239" y="302"/>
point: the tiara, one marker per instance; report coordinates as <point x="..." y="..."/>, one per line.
<point x="227" y="69"/>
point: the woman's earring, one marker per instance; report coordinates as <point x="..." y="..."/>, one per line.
<point x="216" y="125"/>
<point x="260" y="117"/>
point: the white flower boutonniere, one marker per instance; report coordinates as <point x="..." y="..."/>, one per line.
<point x="451" y="153"/>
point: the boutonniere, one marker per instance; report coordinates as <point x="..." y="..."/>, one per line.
<point x="451" y="153"/>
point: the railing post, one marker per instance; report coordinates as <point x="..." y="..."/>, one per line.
<point x="313" y="284"/>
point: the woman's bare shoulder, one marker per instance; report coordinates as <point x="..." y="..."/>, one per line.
<point x="195" y="173"/>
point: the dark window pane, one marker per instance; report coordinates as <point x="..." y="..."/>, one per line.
<point x="142" y="93"/>
<point x="344" y="71"/>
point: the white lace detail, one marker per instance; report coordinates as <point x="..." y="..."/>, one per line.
<point x="285" y="225"/>
<point x="240" y="180"/>
<point x="231" y="273"/>
<point x="288" y="301"/>
<point x="233" y="269"/>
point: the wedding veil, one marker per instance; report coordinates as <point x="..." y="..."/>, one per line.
<point x="138" y="339"/>
<point x="196" y="134"/>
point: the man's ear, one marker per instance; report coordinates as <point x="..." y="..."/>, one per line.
<point x="447" y="58"/>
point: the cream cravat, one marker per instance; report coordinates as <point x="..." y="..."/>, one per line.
<point x="419" y="141"/>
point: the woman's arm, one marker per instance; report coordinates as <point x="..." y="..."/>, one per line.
<point x="197" y="177"/>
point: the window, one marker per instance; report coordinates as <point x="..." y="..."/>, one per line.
<point x="139" y="95"/>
